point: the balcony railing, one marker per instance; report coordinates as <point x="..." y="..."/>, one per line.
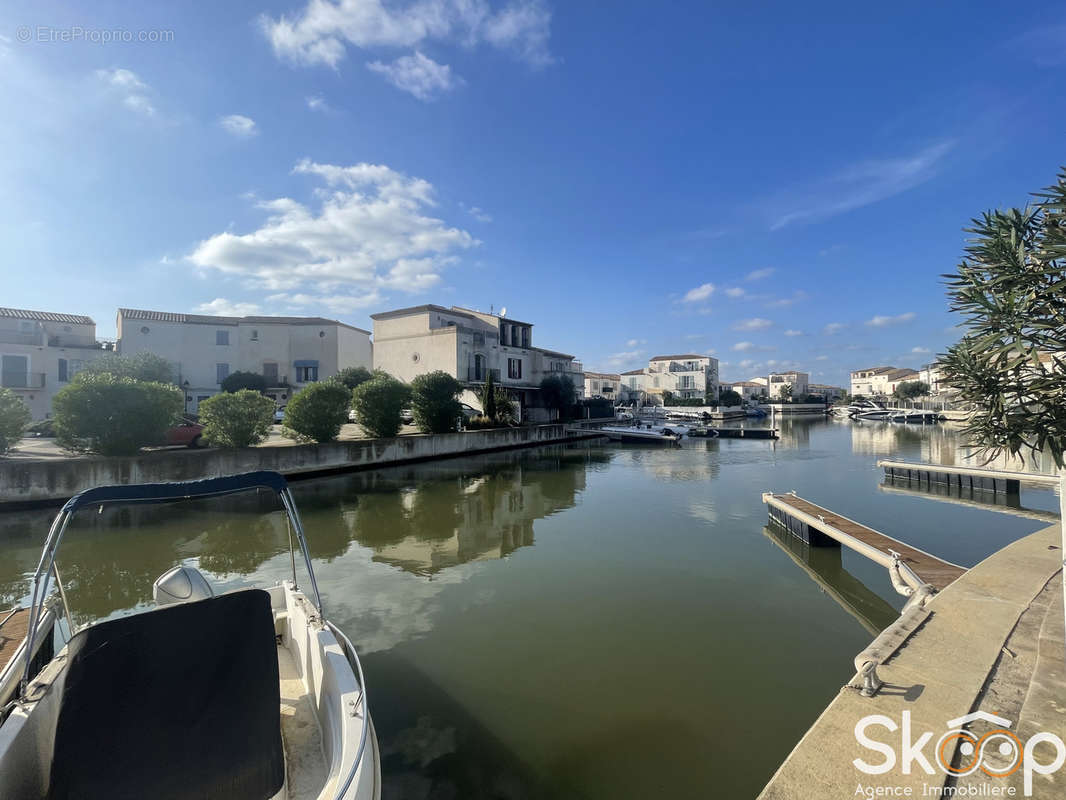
<point x="22" y="380"/>
<point x="86" y="342"/>
<point x="21" y="337"/>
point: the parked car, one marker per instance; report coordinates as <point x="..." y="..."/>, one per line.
<point x="279" y="415"/>
<point x="352" y="416"/>
<point x="186" y="434"/>
<point x="469" y="411"/>
<point x="407" y="416"/>
<point x="44" y="427"/>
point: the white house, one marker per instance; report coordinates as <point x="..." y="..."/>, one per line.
<point x="470" y="345"/>
<point x="603" y="384"/>
<point x="687" y="375"/>
<point x="41" y="350"/>
<point x="290" y="352"/>
<point x="880" y="381"/>
<point x="748" y="390"/>
<point x="797" y="381"/>
<point x="830" y="393"/>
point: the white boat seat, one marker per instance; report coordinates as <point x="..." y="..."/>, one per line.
<point x="177" y="703"/>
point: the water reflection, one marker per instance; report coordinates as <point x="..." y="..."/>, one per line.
<point x="422" y="519"/>
<point x="825" y="567"/>
<point x="947" y="493"/>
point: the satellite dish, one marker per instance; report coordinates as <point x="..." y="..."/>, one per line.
<point x="503" y="311"/>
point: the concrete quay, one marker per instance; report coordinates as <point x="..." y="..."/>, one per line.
<point x="993" y="643"/>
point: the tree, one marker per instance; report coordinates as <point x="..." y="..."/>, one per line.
<point x="317" y="413"/>
<point x="1011" y="362"/>
<point x="668" y="398"/>
<point x="236" y="419"/>
<point x="112" y="415"/>
<point x="353" y="376"/>
<point x="140" y="367"/>
<point x="729" y="397"/>
<point x="378" y="403"/>
<point x="238" y="380"/>
<point x="488" y="398"/>
<point x="785" y="393"/>
<point x="14" y="417"/>
<point x="910" y="390"/>
<point x="557" y="392"/>
<point x="435" y="402"/>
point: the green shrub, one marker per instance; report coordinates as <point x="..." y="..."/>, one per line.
<point x="729" y="397"/>
<point x="14" y="417"/>
<point x="480" y="422"/>
<point x="378" y="403"/>
<point x="141" y="367"/>
<point x="496" y="402"/>
<point x="236" y="419"/>
<point x="317" y="412"/>
<point x="557" y="392"/>
<point x="353" y="376"/>
<point x="238" y="380"/>
<point x="435" y="402"/>
<point x="112" y="415"/>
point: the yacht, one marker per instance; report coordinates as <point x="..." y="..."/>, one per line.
<point x="251" y="694"/>
<point x="645" y="432"/>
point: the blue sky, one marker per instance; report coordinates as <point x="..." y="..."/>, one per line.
<point x="779" y="184"/>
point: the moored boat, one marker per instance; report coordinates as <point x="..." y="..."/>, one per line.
<point x="665" y="434"/>
<point x="246" y="694"/>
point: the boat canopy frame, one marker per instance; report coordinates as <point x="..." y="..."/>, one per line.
<point x="146" y="493"/>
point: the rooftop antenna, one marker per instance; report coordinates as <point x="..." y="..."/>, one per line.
<point x="503" y="311"/>
<point x="490" y="308"/>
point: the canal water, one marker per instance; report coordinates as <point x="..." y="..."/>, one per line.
<point x="583" y="621"/>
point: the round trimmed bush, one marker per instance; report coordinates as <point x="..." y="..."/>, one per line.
<point x="378" y="403"/>
<point x="14" y="417"/>
<point x="317" y="412"/>
<point x="236" y="419"/>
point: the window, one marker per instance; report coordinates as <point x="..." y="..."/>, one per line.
<point x="221" y="372"/>
<point x="514" y="368"/>
<point x="525" y="337"/>
<point x="62" y="376"/>
<point x="221" y="337"/>
<point x="270" y="372"/>
<point x="255" y="336"/>
<point x="15" y="371"/>
<point x="306" y="374"/>
<point x="479" y="367"/>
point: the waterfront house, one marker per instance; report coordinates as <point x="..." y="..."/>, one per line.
<point x="687" y="376"/>
<point x="830" y="393"/>
<point x="748" y="390"/>
<point x="796" y="381"/>
<point x="290" y="352"/>
<point x="471" y="345"/>
<point x="603" y="384"/>
<point x="880" y="381"/>
<point x="41" y="350"/>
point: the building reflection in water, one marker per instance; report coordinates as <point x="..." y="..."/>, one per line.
<point x="422" y="519"/>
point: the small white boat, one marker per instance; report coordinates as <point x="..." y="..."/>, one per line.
<point x="248" y="694"/>
<point x="666" y="434"/>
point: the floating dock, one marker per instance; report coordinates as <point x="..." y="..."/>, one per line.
<point x="746" y="433"/>
<point x="973" y="478"/>
<point x="821" y="527"/>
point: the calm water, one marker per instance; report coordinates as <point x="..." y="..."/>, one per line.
<point x="590" y="621"/>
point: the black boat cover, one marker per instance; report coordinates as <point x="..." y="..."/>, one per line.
<point x="181" y="702"/>
<point x="176" y="490"/>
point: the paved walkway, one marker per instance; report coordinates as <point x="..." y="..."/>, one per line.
<point x="943" y="672"/>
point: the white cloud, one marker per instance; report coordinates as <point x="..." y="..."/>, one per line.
<point x="759" y="274"/>
<point x="337" y="303"/>
<point x="859" y="185"/>
<point x="635" y="342"/>
<point x="624" y="359"/>
<point x="784" y="302"/>
<point x="476" y="213"/>
<point x="881" y="321"/>
<point x="417" y="74"/>
<point x="323" y="30"/>
<point x="734" y="291"/>
<point x="699" y="294"/>
<point x="833" y="328"/>
<point x="745" y="347"/>
<point x="222" y="307"/>
<point x="821" y="358"/>
<point x="920" y="350"/>
<point x="317" y="102"/>
<point x="371" y="232"/>
<point x="126" y="84"/>
<point x="238" y="125"/>
<point x="793" y="332"/>
<point x="754" y="324"/>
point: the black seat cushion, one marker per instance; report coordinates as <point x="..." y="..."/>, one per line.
<point x="181" y="702"/>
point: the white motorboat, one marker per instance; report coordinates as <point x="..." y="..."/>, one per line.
<point x="875" y="415"/>
<point x="643" y="432"/>
<point x="249" y="694"/>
